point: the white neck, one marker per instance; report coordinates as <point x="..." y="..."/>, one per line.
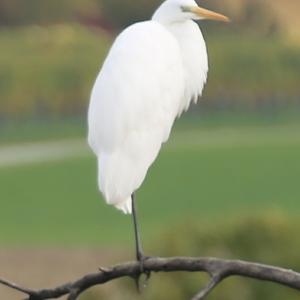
<point x="194" y="57"/>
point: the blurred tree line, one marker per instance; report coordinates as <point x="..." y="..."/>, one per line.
<point x="20" y="12"/>
<point x="51" y="52"/>
<point x="255" y="14"/>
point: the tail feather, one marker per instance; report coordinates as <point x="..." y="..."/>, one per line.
<point x="122" y="171"/>
<point x="125" y="206"/>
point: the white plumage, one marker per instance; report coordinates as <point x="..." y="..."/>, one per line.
<point x="151" y="74"/>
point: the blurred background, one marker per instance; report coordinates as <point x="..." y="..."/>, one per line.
<point x="226" y="184"/>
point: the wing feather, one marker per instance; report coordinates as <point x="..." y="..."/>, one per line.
<point x="134" y="103"/>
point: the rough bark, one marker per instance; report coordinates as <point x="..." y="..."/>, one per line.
<point x="218" y="269"/>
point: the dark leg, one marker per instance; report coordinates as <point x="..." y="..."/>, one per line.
<point x="138" y="246"/>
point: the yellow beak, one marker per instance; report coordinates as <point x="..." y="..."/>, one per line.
<point x="208" y="14"/>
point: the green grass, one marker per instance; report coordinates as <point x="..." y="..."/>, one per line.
<point x="203" y="173"/>
<point x="31" y="130"/>
<point x="13" y="132"/>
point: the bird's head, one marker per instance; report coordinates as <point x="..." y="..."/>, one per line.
<point x="182" y="10"/>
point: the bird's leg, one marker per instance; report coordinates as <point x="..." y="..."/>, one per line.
<point x="138" y="245"/>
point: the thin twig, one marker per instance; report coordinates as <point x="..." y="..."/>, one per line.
<point x="215" y="280"/>
<point x="14" y="286"/>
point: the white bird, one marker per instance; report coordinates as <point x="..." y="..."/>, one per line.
<point x="153" y="72"/>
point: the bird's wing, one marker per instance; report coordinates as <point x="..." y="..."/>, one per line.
<point x="134" y="103"/>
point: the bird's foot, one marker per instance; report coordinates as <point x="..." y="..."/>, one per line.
<point x="143" y="276"/>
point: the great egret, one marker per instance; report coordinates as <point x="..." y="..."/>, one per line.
<point x="152" y="73"/>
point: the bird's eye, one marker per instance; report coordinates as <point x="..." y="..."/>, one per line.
<point x="185" y="8"/>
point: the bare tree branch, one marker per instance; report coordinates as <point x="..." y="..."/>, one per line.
<point x="218" y="269"/>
